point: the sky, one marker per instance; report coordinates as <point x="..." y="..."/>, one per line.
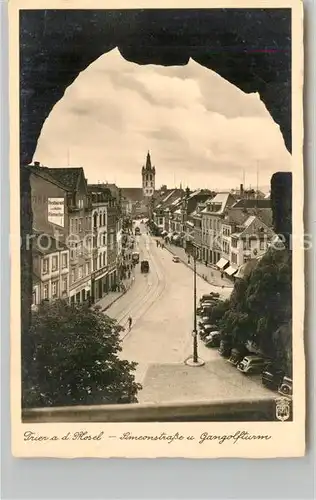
<point x="201" y="130"/>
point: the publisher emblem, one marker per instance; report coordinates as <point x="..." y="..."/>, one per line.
<point x="282" y="409"/>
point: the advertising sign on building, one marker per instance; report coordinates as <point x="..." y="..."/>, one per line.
<point x="56" y="211"/>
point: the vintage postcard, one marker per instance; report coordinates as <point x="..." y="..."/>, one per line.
<point x="157" y="240"/>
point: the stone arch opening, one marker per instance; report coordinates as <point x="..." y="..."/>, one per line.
<point x="250" y="48"/>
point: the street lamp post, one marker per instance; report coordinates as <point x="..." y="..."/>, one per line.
<point x="194" y="360"/>
<point x="195" y="344"/>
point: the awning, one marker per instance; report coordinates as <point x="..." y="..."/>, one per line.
<point x="231" y="270"/>
<point x="222" y="263"/>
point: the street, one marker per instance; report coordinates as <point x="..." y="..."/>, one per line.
<point x="160" y="304"/>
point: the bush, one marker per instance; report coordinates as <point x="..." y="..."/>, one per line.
<point x="73" y="359"/>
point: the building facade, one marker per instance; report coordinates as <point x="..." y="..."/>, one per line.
<point x="62" y="208"/>
<point x="212" y="216"/>
<point x="50" y="269"/>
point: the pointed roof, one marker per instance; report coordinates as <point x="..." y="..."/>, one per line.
<point x="148" y="162"/>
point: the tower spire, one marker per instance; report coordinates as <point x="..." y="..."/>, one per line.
<point x="148" y="162"/>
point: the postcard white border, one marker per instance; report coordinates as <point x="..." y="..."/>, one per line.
<point x="288" y="439"/>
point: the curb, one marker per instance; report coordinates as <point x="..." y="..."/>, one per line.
<point x="117" y="298"/>
<point x="201" y="276"/>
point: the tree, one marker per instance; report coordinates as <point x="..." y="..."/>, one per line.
<point x="260" y="305"/>
<point x="75" y="359"/>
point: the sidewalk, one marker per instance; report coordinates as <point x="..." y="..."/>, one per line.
<point x="208" y="273"/>
<point x="112" y="297"/>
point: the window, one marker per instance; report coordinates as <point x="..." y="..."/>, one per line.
<point x="234" y="258"/>
<point x="100" y="220"/>
<point x="234" y="242"/>
<point x="104" y="239"/>
<point x="246" y="245"/>
<point x="54" y="289"/>
<point x="95" y="264"/>
<point x="95" y="220"/>
<point x="45" y="266"/>
<point x="103" y="258"/>
<point x="55" y="263"/>
<point x="80" y="225"/>
<point x="45" y="291"/>
<point x="87" y="268"/>
<point x="34" y="299"/>
<point x="262" y="245"/>
<point x="65" y="284"/>
<point x="104" y="222"/>
<point x="80" y="274"/>
<point x="100" y="261"/>
<point x="64" y="260"/>
<point x="76" y="226"/>
<point x="73" y="275"/>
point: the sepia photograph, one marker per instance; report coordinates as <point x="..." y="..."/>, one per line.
<point x="155" y="268"/>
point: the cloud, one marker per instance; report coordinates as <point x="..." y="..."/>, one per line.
<point x="199" y="128"/>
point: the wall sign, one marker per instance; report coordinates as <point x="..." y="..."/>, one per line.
<point x="56" y="211"/>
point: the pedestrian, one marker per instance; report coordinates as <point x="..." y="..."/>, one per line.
<point x="130" y="321"/>
<point x="206" y="263"/>
<point x="222" y="275"/>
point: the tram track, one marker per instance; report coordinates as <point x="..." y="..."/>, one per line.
<point x="154" y="286"/>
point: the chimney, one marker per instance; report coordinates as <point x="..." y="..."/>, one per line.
<point x="241" y="189"/>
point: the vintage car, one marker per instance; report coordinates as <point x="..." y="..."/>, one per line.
<point x="213" y="339"/>
<point x="206" y="329"/>
<point x="225" y="347"/>
<point x="237" y="355"/>
<point x="286" y="387"/>
<point x="272" y="376"/>
<point x="135" y="257"/>
<point x="252" y="364"/>
<point x="144" y="266"/>
<point x="175" y="258"/>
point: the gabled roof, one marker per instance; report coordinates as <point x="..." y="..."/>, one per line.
<point x="68" y="176"/>
<point x="44" y="174"/>
<point x="133" y="194"/>
<point x="218" y="204"/>
<point x="253" y="225"/>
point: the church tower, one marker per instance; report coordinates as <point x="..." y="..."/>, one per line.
<point x="148" y="178"/>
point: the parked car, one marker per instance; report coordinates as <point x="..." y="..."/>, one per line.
<point x="175" y="258"/>
<point x="252" y="364"/>
<point x="135" y="257"/>
<point x="286" y="387"/>
<point x="203" y="321"/>
<point x="272" y="376"/>
<point x="205" y="308"/>
<point x="206" y="329"/>
<point x="237" y="355"/>
<point x="225" y="348"/>
<point x="213" y="339"/>
<point x="209" y="296"/>
<point x="144" y="266"/>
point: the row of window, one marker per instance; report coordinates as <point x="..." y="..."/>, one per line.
<point x="211" y="223"/>
<point x="78" y="225"/>
<point x="80" y="272"/>
<point x="55" y="264"/>
<point x="99" y="219"/>
<point x="54" y="289"/>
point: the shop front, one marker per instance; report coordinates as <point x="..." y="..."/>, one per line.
<point x="81" y="293"/>
<point x="100" y="283"/>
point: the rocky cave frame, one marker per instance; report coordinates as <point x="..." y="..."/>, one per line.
<point x="250" y="48"/>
